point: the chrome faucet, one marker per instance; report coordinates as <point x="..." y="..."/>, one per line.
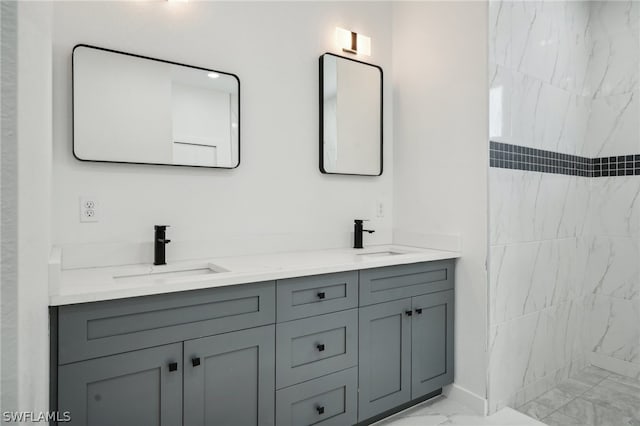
<point x="357" y="232"/>
<point x="160" y="243"/>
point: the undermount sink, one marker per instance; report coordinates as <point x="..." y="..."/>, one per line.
<point x="166" y="275"/>
<point x="382" y="253"/>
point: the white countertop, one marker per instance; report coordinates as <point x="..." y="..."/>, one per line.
<point x="107" y="283"/>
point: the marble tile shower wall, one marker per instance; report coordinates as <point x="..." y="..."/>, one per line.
<point x="564" y="250"/>
<point x="611" y="242"/>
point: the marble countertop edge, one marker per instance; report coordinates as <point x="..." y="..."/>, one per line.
<point x="98" y="284"/>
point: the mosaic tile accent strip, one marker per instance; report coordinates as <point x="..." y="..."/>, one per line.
<point x="507" y="156"/>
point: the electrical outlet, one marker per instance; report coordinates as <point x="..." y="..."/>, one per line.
<point x="379" y="209"/>
<point x="88" y="209"/>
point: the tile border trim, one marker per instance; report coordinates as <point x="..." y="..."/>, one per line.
<point x="517" y="157"/>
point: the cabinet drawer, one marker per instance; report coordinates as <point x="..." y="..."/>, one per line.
<point x="312" y="347"/>
<point x="91" y="330"/>
<point x="316" y="295"/>
<point x="397" y="282"/>
<point x="328" y="401"/>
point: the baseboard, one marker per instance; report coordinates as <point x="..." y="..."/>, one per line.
<point x="384" y="416"/>
<point x="618" y="366"/>
<point x="464" y="396"/>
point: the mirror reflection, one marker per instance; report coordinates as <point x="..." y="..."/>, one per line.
<point x="132" y="109"/>
<point x="350" y="116"/>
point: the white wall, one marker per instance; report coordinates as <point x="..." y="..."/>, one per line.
<point x="277" y="199"/>
<point x="34" y="189"/>
<point x="26" y="177"/>
<point x="441" y="137"/>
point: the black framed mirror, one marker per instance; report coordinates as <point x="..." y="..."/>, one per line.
<point x="129" y="108"/>
<point x="350" y="116"/>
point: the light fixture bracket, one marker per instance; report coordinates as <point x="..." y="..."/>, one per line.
<point x="352" y="42"/>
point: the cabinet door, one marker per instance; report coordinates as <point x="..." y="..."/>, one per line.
<point x="229" y="379"/>
<point x="385" y="357"/>
<point x="134" y="388"/>
<point x="431" y="343"/>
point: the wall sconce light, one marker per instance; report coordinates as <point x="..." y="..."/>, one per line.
<point x="351" y="42"/>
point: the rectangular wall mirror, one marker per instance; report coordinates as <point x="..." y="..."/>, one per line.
<point x="350" y="116"/>
<point x="133" y="109"/>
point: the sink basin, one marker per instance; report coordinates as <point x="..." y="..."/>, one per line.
<point x="382" y="253"/>
<point x="163" y="274"/>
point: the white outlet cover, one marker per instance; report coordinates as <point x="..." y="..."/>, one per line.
<point x="89" y="209"/>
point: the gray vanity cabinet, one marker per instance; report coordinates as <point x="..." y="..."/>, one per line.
<point x="331" y="350"/>
<point x="142" y="387"/>
<point x="406" y="351"/>
<point x="229" y="379"/>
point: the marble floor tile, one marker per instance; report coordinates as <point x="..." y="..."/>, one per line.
<point x="592" y="397"/>
<point x="536" y="410"/>
<point x="554" y="399"/>
<point x="595" y="414"/>
<point x="574" y="387"/>
<point x="591" y="375"/>
<point x="443" y="411"/>
<point x="558" y="419"/>
<point x="505" y="417"/>
<point x="622" y="397"/>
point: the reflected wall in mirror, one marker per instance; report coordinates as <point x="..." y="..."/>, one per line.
<point x="133" y="109"/>
<point x="350" y="116"/>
